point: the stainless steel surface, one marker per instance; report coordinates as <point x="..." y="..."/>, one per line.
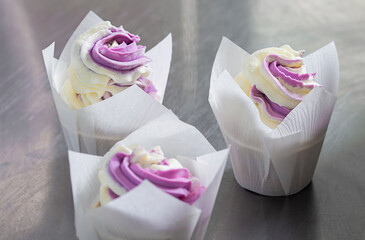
<point x="35" y="190"/>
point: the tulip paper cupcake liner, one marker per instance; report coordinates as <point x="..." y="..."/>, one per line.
<point x="95" y="128"/>
<point x="146" y="212"/>
<point x="279" y="161"/>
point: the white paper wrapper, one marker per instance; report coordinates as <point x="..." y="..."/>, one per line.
<point x="96" y="128"/>
<point x="146" y="212"/>
<point x="280" y="161"/>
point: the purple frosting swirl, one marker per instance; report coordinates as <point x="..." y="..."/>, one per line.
<point x="126" y="56"/>
<point x="274" y="110"/>
<point x="176" y="182"/>
<point x="275" y="67"/>
<point x="289" y="77"/>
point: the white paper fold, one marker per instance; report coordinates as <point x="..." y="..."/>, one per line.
<point x="146" y="212"/>
<point x="279" y="161"/>
<point x="96" y="128"/>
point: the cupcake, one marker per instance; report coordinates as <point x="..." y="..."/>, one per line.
<point x="275" y="113"/>
<point x="276" y="80"/>
<point x="105" y="60"/>
<point x="105" y="84"/>
<point x="125" y="168"/>
<point x="134" y="193"/>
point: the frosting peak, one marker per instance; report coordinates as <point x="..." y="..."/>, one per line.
<point x="119" y="51"/>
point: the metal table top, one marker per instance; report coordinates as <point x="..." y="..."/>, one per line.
<point x="35" y="189"/>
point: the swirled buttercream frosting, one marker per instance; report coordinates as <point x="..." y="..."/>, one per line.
<point x="126" y="167"/>
<point x="105" y="60"/>
<point x="277" y="81"/>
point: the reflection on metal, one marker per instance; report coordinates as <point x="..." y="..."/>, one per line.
<point x="190" y="35"/>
